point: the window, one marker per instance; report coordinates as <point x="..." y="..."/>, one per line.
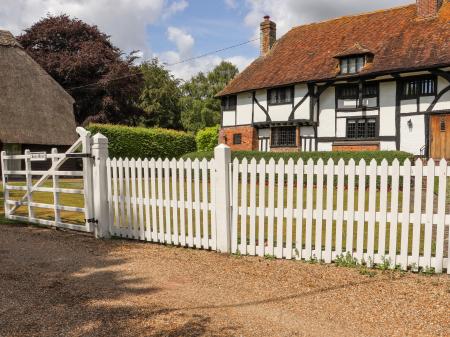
<point x="361" y="128"/>
<point x="281" y="95"/>
<point x="237" y="138"/>
<point x="229" y="102"/>
<point x="352" y="65"/>
<point x="285" y="136"/>
<point x="419" y="87"/>
<point x="350" y="97"/>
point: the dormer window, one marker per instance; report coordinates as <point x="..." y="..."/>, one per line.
<point x="352" y="60"/>
<point x="352" y="65"/>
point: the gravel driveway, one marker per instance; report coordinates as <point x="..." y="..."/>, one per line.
<point x="56" y="283"/>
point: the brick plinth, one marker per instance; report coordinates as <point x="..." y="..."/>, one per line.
<point x="356" y="148"/>
<point x="249" y="138"/>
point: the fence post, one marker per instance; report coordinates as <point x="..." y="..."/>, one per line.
<point x="100" y="184"/>
<point x="4" y="168"/>
<point x="222" y="161"/>
<point x="29" y="182"/>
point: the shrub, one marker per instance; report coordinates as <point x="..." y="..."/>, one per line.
<point x="336" y="156"/>
<point x="139" y="142"/>
<point x="207" y="139"/>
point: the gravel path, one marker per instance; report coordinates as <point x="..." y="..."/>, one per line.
<point x="56" y="283"/>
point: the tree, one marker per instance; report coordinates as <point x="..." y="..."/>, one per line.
<point x="103" y="81"/>
<point x="160" y="97"/>
<point x="200" y="108"/>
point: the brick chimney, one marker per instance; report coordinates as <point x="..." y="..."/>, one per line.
<point x="428" y="8"/>
<point x="268" y="35"/>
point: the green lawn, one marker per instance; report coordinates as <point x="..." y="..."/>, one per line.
<point x="78" y="201"/>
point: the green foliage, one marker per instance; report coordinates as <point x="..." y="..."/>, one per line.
<point x="357" y="156"/>
<point x="141" y="142"/>
<point x="207" y="138"/>
<point x="200" y="108"/>
<point x="83" y="60"/>
<point x="347" y="261"/>
<point x="160" y="97"/>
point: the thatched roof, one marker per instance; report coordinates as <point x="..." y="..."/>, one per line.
<point x="34" y="108"/>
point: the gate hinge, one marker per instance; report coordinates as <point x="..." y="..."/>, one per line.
<point x="91" y="220"/>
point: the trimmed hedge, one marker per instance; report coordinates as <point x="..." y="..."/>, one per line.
<point x="207" y="139"/>
<point x="139" y="142"/>
<point x="357" y="156"/>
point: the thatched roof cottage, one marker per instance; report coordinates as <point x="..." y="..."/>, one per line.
<point x="36" y="113"/>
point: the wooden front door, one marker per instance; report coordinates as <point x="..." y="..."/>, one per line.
<point x="440" y="136"/>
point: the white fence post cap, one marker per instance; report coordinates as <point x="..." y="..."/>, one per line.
<point x="222" y="146"/>
<point x="99" y="138"/>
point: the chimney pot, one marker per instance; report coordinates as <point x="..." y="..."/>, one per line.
<point x="268" y="35"/>
<point x="428" y="8"/>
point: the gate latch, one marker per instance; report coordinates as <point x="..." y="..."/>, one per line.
<point x="91" y="220"/>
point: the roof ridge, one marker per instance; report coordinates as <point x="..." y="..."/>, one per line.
<point x="353" y="15"/>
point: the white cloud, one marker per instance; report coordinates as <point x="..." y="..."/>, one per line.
<point x="231" y="3"/>
<point x="184" y="43"/>
<point x="124" y="20"/>
<point x="183" y="40"/>
<point x="176" y="6"/>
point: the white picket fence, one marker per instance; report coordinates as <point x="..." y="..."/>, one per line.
<point x="321" y="211"/>
<point x="166" y="201"/>
<point x="377" y="213"/>
<point x="295" y="210"/>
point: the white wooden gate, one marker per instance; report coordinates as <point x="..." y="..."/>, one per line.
<point x="31" y="182"/>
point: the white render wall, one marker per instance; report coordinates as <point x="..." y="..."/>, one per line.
<point x="244" y="108"/>
<point x="229" y="118"/>
<point x="259" y="115"/>
<point x="300" y="91"/>
<point x="280" y="113"/>
<point x="444" y="102"/>
<point x="387" y="109"/>
<point x="412" y="139"/>
<point x="327" y="114"/>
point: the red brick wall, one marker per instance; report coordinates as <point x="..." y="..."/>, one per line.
<point x="426" y="8"/>
<point x="249" y="140"/>
<point x="355" y="148"/>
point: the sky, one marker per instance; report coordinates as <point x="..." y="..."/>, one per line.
<point x="176" y="30"/>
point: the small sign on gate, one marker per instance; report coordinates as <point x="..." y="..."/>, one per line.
<point x="38" y="156"/>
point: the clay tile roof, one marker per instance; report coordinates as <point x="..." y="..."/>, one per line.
<point x="356" y="49"/>
<point x="397" y="38"/>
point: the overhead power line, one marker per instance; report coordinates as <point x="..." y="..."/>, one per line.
<point x="167" y="65"/>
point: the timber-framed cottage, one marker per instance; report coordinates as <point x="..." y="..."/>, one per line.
<point x="374" y="81"/>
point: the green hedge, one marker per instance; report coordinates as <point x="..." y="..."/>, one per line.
<point x="357" y="156"/>
<point x="207" y="138"/>
<point x="139" y="142"/>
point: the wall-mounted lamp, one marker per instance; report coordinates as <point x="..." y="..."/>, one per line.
<point x="410" y="125"/>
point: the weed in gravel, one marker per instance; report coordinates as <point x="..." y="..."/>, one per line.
<point x="367" y="272"/>
<point x="269" y="257"/>
<point x="428" y="271"/>
<point x="238" y="254"/>
<point x="312" y="260"/>
<point x="346" y="261"/>
<point x="385" y="264"/>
